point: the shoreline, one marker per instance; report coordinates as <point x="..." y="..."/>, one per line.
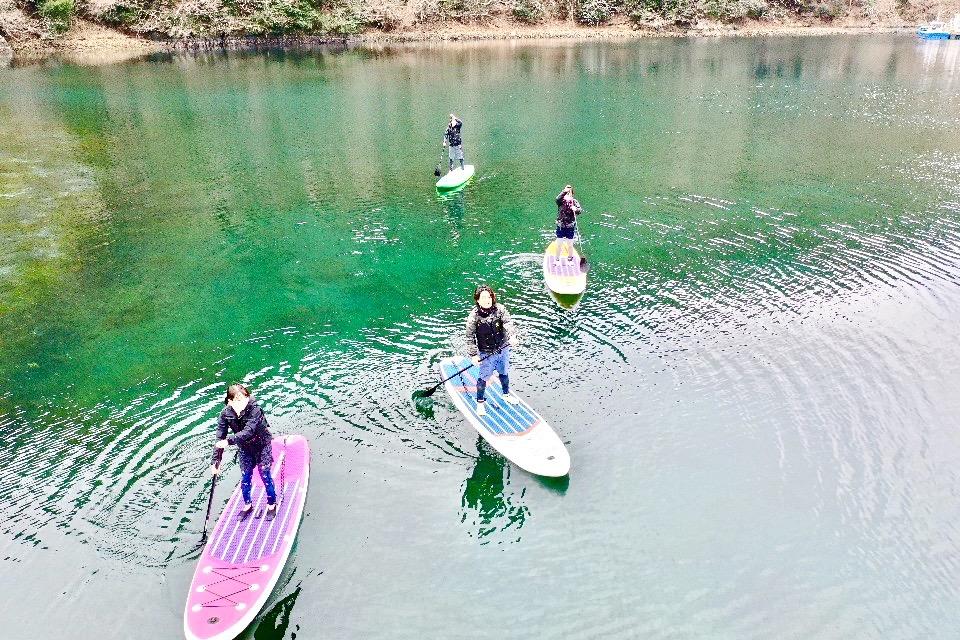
<point x="89" y="43"/>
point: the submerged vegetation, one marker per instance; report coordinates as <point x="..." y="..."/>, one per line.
<point x="179" y="19"/>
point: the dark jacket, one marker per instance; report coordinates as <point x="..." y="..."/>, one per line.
<point x="453" y="134"/>
<point x="567" y="211"/>
<point x="488" y="331"/>
<point x="249" y="430"/>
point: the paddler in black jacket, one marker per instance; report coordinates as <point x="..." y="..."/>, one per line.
<point x="453" y="140"/>
<point x="567" y="211"/>
<point x="490" y="334"/>
<point x="244" y="420"/>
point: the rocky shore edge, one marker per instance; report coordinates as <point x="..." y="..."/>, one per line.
<point x="90" y="43"/>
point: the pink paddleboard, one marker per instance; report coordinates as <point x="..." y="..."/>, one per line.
<point x="243" y="559"/>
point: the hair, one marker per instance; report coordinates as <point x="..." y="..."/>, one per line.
<point x="481" y="289"/>
<point x="234" y="390"/>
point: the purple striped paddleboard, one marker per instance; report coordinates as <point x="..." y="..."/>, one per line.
<point x="243" y="559"/>
<point x="563" y="276"/>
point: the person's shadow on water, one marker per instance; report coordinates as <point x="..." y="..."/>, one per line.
<point x="486" y="507"/>
<point x="455" y="211"/>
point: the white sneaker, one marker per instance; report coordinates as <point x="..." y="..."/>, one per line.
<point x="512" y="399"/>
<point x="481" y="408"/>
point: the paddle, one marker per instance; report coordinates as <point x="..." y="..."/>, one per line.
<point x="429" y="392"/>
<point x="436" y="171"/>
<point x="584" y="265"/>
<point x="217" y="458"/>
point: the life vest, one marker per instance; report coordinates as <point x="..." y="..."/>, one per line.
<point x="453" y="134"/>
<point x="490" y="331"/>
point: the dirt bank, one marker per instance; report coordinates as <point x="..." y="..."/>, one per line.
<point x="90" y="43"/>
<point x="86" y="43"/>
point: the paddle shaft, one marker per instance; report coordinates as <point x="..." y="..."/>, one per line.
<point x="217" y="459"/>
<point x="431" y="390"/>
<point x="437" y="171"/>
<point x="576" y="228"/>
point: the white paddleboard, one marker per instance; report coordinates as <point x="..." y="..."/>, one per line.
<point x="518" y="432"/>
<point x="565" y="276"/>
<point x="455" y="178"/>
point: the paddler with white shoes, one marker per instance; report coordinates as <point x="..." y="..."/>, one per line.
<point x="453" y="140"/>
<point x="490" y="334"/>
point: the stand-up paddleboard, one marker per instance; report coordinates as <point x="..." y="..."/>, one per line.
<point x="456" y="178"/>
<point x="518" y="432"/>
<point x="564" y="277"/>
<point x="243" y="559"/>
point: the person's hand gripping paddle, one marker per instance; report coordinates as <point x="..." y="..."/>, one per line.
<point x="426" y="393"/>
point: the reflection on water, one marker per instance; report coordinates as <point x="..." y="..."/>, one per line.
<point x="558" y="486"/>
<point x="941" y="61"/>
<point x="273" y="624"/>
<point x="568" y="301"/>
<point x="492" y="512"/>
<point x="454" y="210"/>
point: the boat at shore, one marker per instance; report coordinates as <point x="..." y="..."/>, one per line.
<point x="939" y="30"/>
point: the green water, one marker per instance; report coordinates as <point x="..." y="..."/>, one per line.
<point x="758" y="391"/>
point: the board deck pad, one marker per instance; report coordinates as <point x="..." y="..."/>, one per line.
<point x="566" y="276"/>
<point x="517" y="431"/>
<point x="456" y="178"/>
<point x="243" y="560"/>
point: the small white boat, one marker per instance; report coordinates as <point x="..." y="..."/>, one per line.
<point x="939" y="30"/>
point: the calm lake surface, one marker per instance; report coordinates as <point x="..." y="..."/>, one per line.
<point x="759" y="391"/>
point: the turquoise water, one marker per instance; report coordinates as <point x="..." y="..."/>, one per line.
<point x="758" y="391"/>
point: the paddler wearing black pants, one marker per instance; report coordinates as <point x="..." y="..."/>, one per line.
<point x="244" y="418"/>
<point x="490" y="334"/>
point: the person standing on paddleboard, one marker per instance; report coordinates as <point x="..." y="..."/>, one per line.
<point x="567" y="211"/>
<point x="490" y="334"/>
<point x="244" y="419"/>
<point x="452" y="139"/>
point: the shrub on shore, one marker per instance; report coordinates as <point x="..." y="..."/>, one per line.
<point x="735" y="10"/>
<point x="57" y="12"/>
<point x="593" y="12"/>
<point x="529" y="11"/>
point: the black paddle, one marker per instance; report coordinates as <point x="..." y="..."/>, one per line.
<point x="436" y="171"/>
<point x="429" y="392"/>
<point x="217" y="458"/>
<point x="584" y="265"/>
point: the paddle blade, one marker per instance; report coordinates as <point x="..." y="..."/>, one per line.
<point x="425" y="393"/>
<point x="436" y="171"/>
<point x="584" y="266"/>
<point x="423" y="402"/>
<point x="424" y="407"/>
